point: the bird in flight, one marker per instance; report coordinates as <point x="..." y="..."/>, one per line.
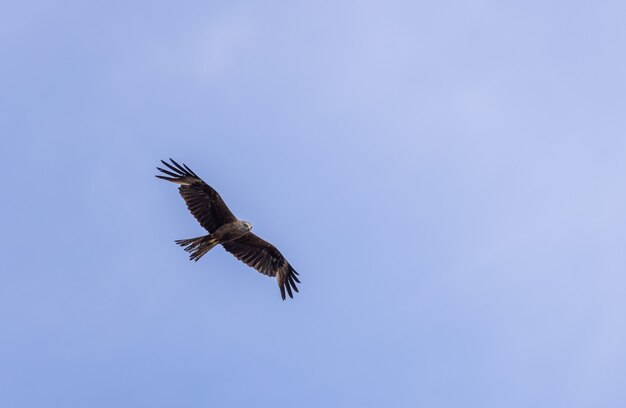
<point x="206" y="205"/>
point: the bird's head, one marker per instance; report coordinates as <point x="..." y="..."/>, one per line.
<point x="247" y="224"/>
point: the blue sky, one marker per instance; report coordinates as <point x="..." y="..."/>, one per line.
<point x="448" y="178"/>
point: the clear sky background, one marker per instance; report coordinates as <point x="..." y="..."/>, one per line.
<point x="449" y="178"/>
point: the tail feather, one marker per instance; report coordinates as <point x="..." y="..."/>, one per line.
<point x="197" y="247"/>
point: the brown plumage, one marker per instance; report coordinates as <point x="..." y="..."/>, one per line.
<point x="206" y="205"/>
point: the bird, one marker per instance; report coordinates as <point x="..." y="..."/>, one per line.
<point x="235" y="235"/>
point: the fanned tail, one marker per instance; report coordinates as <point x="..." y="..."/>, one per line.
<point x="197" y="247"/>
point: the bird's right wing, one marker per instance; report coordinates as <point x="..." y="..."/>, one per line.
<point x="204" y="203"/>
<point x="265" y="258"/>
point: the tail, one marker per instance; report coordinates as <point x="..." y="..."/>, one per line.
<point x="197" y="247"/>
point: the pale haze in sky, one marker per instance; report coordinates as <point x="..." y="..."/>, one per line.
<point x="448" y="178"/>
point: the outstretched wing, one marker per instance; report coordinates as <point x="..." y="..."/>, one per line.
<point x="265" y="258"/>
<point x="202" y="200"/>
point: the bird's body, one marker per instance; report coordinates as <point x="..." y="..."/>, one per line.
<point x="206" y="205"/>
<point x="231" y="231"/>
<point x="227" y="232"/>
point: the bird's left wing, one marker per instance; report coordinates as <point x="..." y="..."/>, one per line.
<point x="204" y="203"/>
<point x="265" y="258"/>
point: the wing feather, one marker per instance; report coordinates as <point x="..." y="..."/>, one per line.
<point x="204" y="203"/>
<point x="265" y="258"/>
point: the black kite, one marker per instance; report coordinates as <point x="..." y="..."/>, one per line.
<point x="206" y="205"/>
